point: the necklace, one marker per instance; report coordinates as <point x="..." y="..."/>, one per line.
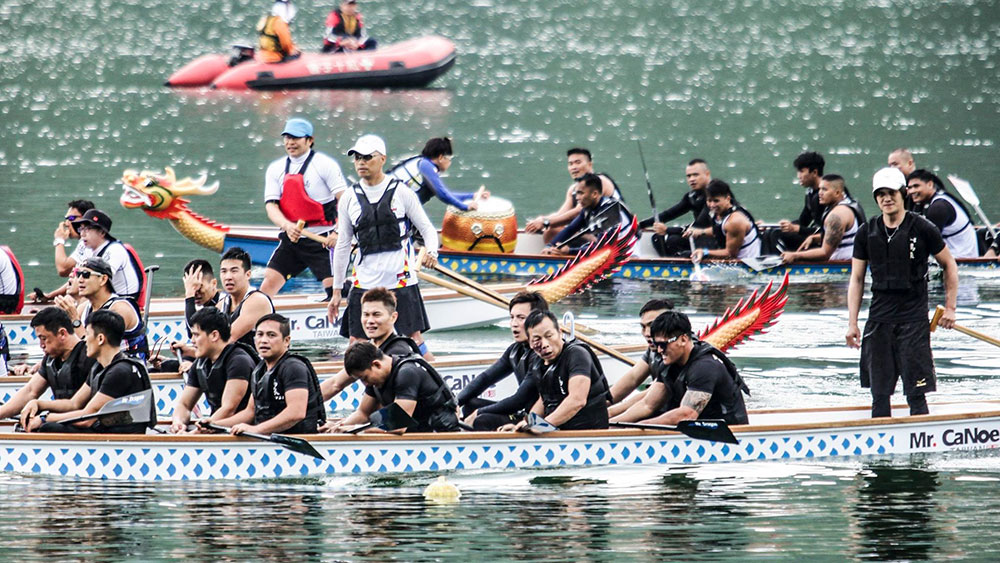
<point x="888" y="236"/>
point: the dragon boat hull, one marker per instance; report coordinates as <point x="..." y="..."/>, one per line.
<point x="408" y="64"/>
<point x="446" y="310"/>
<point x="777" y="435"/>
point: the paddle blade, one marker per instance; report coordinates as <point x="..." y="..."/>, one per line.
<point x="714" y="430"/>
<point x="130" y="409"/>
<point x="297" y="445"/>
<point x="762" y="263"/>
<point x="538" y="425"/>
<point x="964" y="189"/>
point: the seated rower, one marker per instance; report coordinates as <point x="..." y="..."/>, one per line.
<point x="578" y="162"/>
<point x="65" y="232"/>
<point x="700" y="382"/>
<point x="115" y="375"/>
<point x="734" y="228"/>
<point x="244" y="304"/>
<point x="421" y="174"/>
<point x="842" y="216"/>
<point x="220" y="372"/>
<point x="378" y="318"/>
<point x="650" y="364"/>
<point x="573" y="392"/>
<point x="274" y="44"/>
<point x="345" y="30"/>
<point x="127" y="274"/>
<point x="670" y="241"/>
<point x="201" y="289"/>
<point x="599" y="214"/>
<point x="409" y="381"/>
<point x="519" y="359"/>
<point x="65" y="367"/>
<point x="96" y="294"/>
<point x="945" y="211"/>
<point x="284" y="389"/>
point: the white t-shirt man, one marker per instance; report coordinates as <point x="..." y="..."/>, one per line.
<point x="126" y="280"/>
<point x="323" y="180"/>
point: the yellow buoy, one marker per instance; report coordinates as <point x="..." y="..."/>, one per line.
<point x="442" y="491"/>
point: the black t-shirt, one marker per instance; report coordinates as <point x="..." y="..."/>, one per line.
<point x="118" y="380"/>
<point x="412" y="383"/>
<point x="70" y="375"/>
<point x="706" y="374"/>
<point x="553" y="387"/>
<point x="902" y="306"/>
<point x="239" y="365"/>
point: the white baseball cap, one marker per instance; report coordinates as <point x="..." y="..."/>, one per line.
<point x="891" y="178"/>
<point x="368" y="144"/>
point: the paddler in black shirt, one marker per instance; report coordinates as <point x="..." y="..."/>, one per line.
<point x="519" y="359"/>
<point x="378" y="318"/>
<point x="699" y="382"/>
<point x="115" y="376"/>
<point x="573" y="392"/>
<point x="221" y="371"/>
<point x="285" y="394"/>
<point x="896" y="245"/>
<point x="409" y="381"/>
<point x="63" y="370"/>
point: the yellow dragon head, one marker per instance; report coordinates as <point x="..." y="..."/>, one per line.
<point x="159" y="195"/>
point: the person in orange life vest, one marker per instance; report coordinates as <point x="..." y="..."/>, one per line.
<point x="274" y="38"/>
<point x="345" y="30"/>
<point x="304" y="185"/>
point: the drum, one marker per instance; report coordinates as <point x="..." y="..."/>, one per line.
<point x="491" y="228"/>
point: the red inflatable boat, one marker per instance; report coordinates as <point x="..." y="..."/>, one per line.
<point x="409" y="64"/>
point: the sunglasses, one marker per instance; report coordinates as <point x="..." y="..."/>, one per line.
<point x="363" y="157"/>
<point x="664" y="344"/>
<point x="85" y="274"/>
<point x="71" y="218"/>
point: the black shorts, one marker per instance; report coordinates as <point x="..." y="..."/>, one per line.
<point x="290" y="259"/>
<point x="893" y="351"/>
<point x="409" y="305"/>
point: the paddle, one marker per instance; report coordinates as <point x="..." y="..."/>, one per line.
<point x="130" y="409"/>
<point x="389" y="418"/>
<point x="975" y="334"/>
<point x="762" y="263"/>
<point x="698" y="274"/>
<point x="297" y="445"/>
<point x="148" y="297"/>
<point x="600" y="222"/>
<point x="714" y="430"/>
<point x="649" y="186"/>
<point x="968" y="194"/>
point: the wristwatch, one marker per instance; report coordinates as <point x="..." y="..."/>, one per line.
<point x="77" y="323"/>
<point x="546" y="223"/>
<point x="58" y="242"/>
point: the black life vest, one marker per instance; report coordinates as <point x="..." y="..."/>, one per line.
<point x="892" y="266"/>
<point x="618" y="192"/>
<point x="226" y="302"/>
<point x="720" y="235"/>
<point x="523" y="360"/>
<point x="436" y="413"/>
<point x="295" y="202"/>
<point x="815" y="209"/>
<point x="66" y="377"/>
<point x="138" y="368"/>
<point x="212" y="379"/>
<point x="554" y="389"/>
<point x="399" y="339"/>
<point x="702" y="349"/>
<point x="377" y="229"/>
<point x="269" y="400"/>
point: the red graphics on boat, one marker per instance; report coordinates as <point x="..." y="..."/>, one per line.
<point x="409" y="64"/>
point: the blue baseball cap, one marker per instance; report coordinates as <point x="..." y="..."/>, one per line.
<point x="298" y="127"/>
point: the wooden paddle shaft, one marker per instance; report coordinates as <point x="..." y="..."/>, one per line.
<point x="309" y="234"/>
<point x="967" y="331"/>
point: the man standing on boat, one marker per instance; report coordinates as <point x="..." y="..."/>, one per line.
<point x="379" y="211"/>
<point x="409" y="381"/>
<point x="302" y="187"/>
<point x="284" y="389"/>
<point x="842" y="216"/>
<point x="897" y="342"/>
<point x="598" y="215"/>
<point x="115" y="376"/>
<point x="65" y="367"/>
<point x="127" y="276"/>
<point x="699" y="382"/>
<point x="274" y="38"/>
<point x="670" y="241"/>
<point x="579" y="162"/>
<point x="345" y="30"/>
<point x="94" y="281"/>
<point x="650" y="364"/>
<point x="519" y="359"/>
<point x="573" y="392"/>
<point x="220" y="372"/>
<point x="733" y="227"/>
<point x="378" y="317"/>
<point x="421" y="174"/>
<point x="244" y="304"/>
<point x="945" y="211"/>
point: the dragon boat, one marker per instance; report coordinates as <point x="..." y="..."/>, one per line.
<point x="413" y="63"/>
<point x="163" y="197"/>
<point x="775" y="434"/>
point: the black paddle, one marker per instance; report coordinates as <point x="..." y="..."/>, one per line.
<point x="130" y="409"/>
<point x="649" y="186"/>
<point x="714" y="430"/>
<point x="389" y="418"/>
<point x="297" y="445"/>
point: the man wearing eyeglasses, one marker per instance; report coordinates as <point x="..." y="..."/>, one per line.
<point x="379" y="210"/>
<point x="699" y="382"/>
<point x="63" y="233"/>
<point x="302" y="186"/>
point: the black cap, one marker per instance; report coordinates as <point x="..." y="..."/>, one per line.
<point x="99" y="265"/>
<point x="95" y="218"/>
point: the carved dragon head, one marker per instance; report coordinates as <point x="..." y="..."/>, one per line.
<point x="160" y="195"/>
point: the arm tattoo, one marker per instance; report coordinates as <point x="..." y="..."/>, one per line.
<point x="696" y="400"/>
<point x="834" y="231"/>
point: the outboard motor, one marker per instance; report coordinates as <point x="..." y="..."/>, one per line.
<point x="241" y="53"/>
